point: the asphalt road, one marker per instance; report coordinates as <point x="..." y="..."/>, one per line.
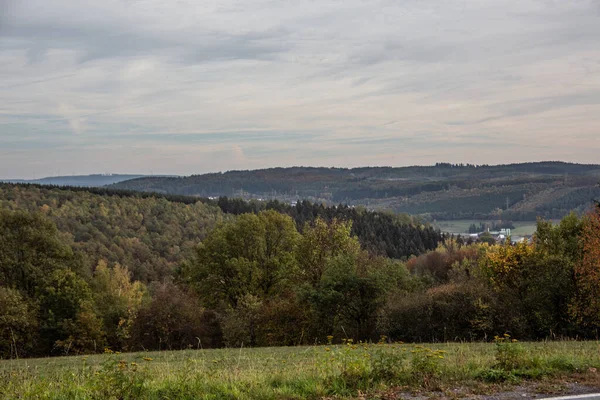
<point x="591" y="396"/>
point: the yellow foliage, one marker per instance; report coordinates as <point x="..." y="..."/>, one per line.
<point x="504" y="262"/>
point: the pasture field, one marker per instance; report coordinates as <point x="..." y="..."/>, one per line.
<point x="327" y="371"/>
<point x="522" y="228"/>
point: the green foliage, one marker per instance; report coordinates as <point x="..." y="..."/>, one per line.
<point x="68" y="320"/>
<point x="117" y="300"/>
<point x="18" y="324"/>
<point x="510" y="354"/>
<point x="30" y="251"/>
<point x="257" y="279"/>
<point x="118" y="379"/>
<point x="340" y="371"/>
<point x="425" y="365"/>
<point x="252" y="255"/>
<point x="347" y="298"/>
<point x="320" y="243"/>
<point x="548" y="189"/>
<point x="150" y="236"/>
<point x="585" y="306"/>
<point x="173" y="319"/>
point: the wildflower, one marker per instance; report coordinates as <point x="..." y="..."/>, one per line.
<point x="147" y="359"/>
<point x="327" y="349"/>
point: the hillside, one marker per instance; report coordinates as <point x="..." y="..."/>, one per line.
<point x="444" y="191"/>
<point x="151" y="234"/>
<point x="78" y="180"/>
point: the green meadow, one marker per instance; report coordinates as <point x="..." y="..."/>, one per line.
<point x="338" y="371"/>
<point x="522" y="228"/>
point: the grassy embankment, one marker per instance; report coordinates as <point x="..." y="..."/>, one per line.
<point x="294" y="372"/>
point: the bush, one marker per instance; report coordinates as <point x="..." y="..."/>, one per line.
<point x="174" y="320"/>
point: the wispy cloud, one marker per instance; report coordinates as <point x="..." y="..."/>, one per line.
<point x="188" y="87"/>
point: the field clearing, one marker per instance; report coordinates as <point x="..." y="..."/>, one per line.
<point x="522" y="228"/>
<point x="293" y="372"/>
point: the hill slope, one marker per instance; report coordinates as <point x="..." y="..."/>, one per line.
<point x="78" y="180"/>
<point x="515" y="191"/>
<point x="150" y="235"/>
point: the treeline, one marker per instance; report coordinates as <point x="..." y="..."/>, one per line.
<point x="392" y="235"/>
<point x="255" y="279"/>
<point x="152" y="232"/>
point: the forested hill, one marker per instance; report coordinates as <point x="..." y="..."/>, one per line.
<point x="444" y="191"/>
<point x="151" y="234"/>
<point x="93" y="270"/>
<point x="78" y="180"/>
<point x="148" y="235"/>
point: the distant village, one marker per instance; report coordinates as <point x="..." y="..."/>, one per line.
<point x="499" y="236"/>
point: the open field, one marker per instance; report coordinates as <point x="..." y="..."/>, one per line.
<point x="340" y="371"/>
<point x="462" y="226"/>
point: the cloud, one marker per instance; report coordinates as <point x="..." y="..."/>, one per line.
<point x="259" y="83"/>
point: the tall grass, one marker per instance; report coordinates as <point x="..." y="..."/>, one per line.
<point x="290" y="372"/>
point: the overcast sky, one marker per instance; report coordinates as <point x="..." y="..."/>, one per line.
<point x="189" y="86"/>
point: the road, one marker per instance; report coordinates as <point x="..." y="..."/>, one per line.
<point x="591" y="396"/>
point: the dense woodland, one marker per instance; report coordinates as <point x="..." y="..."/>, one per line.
<point x="443" y="191"/>
<point x="85" y="270"/>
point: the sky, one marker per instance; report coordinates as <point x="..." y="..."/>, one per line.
<point x="188" y="86"/>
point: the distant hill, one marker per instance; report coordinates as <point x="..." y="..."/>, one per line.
<point x="78" y="180"/>
<point x="443" y="191"/>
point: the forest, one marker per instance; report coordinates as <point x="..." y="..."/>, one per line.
<point x="86" y="270"/>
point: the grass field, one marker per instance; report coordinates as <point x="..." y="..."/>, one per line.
<point x="340" y="371"/>
<point x="522" y="228"/>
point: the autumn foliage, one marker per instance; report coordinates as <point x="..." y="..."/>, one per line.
<point x="586" y="307"/>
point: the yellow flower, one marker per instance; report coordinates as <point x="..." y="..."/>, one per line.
<point x="147" y="359"/>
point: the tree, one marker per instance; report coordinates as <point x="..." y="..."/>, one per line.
<point x="30" y="251"/>
<point x="320" y="243"/>
<point x="339" y="282"/>
<point x="249" y="256"/>
<point x="586" y="305"/>
<point x="117" y="300"/>
<point x="534" y="281"/>
<point x="18" y="324"/>
<point x="174" y="320"/>
<point x="66" y="313"/>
